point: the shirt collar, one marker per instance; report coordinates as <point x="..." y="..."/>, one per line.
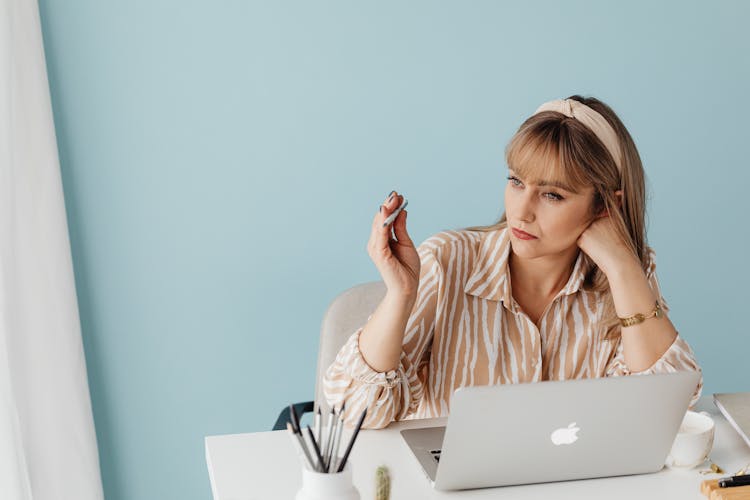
<point x="490" y="276"/>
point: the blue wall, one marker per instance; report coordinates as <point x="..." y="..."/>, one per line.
<point x="222" y="162"/>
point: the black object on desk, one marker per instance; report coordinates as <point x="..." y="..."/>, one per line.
<point x="351" y="442"/>
<point x="316" y="448"/>
<point x="728" y="482"/>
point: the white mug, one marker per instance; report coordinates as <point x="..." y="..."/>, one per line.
<point x="325" y="486"/>
<point x="693" y="443"/>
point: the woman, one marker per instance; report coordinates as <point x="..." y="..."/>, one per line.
<point x="562" y="287"/>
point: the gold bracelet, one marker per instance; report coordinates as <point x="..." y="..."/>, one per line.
<point x="640" y="318"/>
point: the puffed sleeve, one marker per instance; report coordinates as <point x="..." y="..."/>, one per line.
<point x="395" y="394"/>
<point x="678" y="357"/>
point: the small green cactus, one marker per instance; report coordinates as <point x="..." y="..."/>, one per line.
<point x="382" y="483"/>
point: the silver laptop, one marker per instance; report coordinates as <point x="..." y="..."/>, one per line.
<point x="554" y="430"/>
<point x="736" y="409"/>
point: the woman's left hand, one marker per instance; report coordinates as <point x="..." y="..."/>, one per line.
<point x="601" y="242"/>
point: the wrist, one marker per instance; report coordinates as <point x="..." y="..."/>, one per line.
<point x="401" y="298"/>
<point x="631" y="291"/>
<point x="623" y="267"/>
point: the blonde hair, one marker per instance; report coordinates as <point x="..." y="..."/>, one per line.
<point x="552" y="146"/>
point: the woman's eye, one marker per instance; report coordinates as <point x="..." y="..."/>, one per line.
<point x="551" y="196"/>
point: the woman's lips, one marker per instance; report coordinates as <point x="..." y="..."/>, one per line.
<point x="522" y="235"/>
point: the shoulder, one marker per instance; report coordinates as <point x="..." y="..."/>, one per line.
<point x="461" y="237"/>
<point x="449" y="243"/>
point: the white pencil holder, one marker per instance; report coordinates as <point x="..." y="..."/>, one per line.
<point x="324" y="486"/>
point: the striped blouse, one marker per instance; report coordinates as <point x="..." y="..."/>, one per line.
<point x="466" y="329"/>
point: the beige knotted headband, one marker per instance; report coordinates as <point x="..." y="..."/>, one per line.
<point x="593" y="120"/>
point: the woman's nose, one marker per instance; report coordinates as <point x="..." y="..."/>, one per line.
<point x="526" y="207"/>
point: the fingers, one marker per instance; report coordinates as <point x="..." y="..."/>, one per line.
<point x="381" y="235"/>
<point x="399" y="229"/>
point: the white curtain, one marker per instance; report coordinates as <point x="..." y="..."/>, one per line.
<point x="47" y="439"/>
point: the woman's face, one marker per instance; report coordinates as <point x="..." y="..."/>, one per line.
<point x="553" y="215"/>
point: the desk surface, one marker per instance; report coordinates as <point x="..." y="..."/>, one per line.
<point x="264" y="465"/>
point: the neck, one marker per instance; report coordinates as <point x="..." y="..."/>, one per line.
<point x="542" y="276"/>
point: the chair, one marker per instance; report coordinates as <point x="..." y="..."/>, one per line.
<point x="347" y="312"/>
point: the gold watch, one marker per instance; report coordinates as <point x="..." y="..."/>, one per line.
<point x="640" y="318"/>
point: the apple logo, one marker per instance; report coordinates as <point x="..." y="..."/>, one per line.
<point x="565" y="435"/>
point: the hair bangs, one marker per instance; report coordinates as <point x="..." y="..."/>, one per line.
<point x="544" y="154"/>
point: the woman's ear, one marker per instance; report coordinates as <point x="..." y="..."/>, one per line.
<point x="618" y="195"/>
<point x="604" y="212"/>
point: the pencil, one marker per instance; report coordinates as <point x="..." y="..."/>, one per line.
<point x="329" y="437"/>
<point x="395" y="213"/>
<point x="315" y="447"/>
<point x="294" y="418"/>
<point x="351" y="441"/>
<point x="337" y="439"/>
<point x="318" y="425"/>
<point x="299" y="444"/>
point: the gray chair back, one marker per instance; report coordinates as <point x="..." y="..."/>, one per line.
<point x="348" y="311"/>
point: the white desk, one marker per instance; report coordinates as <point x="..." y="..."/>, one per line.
<point x="264" y="465"/>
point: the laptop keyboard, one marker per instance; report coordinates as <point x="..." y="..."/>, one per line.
<point x="436" y="455"/>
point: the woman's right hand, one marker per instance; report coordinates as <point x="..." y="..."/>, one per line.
<point x="396" y="258"/>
